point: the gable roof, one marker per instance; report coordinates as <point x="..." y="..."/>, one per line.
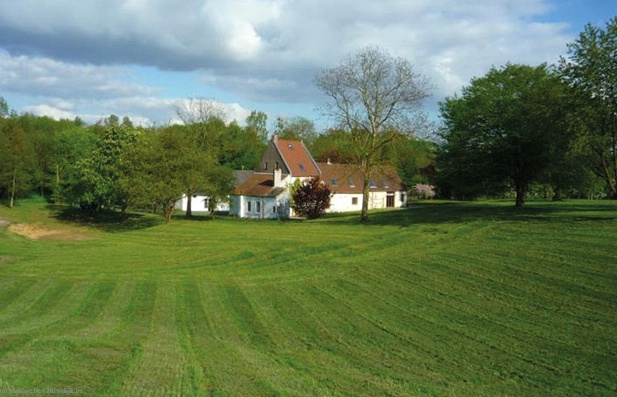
<point x="258" y="185"/>
<point x="346" y="178"/>
<point x="296" y="157"/>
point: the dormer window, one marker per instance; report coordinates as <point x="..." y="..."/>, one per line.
<point x="371" y="184"/>
<point x="333" y="182"/>
<point x="384" y="184"/>
<point x="350" y="182"/>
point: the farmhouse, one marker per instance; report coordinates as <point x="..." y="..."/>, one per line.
<point x="345" y="181"/>
<point x="266" y="193"/>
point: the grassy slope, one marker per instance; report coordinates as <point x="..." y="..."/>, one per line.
<point x="442" y="299"/>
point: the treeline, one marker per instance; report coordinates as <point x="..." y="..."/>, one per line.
<point x="115" y="165"/>
<point x="546" y="129"/>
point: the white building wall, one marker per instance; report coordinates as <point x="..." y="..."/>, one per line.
<point x="341" y="202"/>
<point x="199" y="204"/>
<point x="261" y="207"/>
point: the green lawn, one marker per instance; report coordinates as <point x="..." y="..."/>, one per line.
<point x="441" y="299"/>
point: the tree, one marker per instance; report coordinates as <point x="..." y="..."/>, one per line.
<point x="296" y="128"/>
<point x="240" y="148"/>
<point x="15" y="164"/>
<point x="311" y="198"/>
<point x="4" y="108"/>
<point x="69" y="147"/>
<point x="591" y="68"/>
<point x="256" y="122"/>
<point x="157" y="167"/>
<point x="102" y="171"/>
<point x="375" y="97"/>
<point x="502" y="130"/>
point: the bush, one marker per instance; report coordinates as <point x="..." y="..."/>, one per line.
<point x="311" y="198"/>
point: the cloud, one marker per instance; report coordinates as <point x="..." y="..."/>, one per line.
<point x="261" y="51"/>
<point x="48" y="77"/>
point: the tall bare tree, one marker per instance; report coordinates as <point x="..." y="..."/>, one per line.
<point x="376" y="97"/>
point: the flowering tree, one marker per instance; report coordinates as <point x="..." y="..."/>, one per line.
<point x="311" y="199"/>
<point x="423" y="191"/>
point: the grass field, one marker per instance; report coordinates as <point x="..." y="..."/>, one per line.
<point x="441" y="299"/>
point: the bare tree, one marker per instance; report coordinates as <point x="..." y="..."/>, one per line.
<point x="199" y="110"/>
<point x="376" y="97"/>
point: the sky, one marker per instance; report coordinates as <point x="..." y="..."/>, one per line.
<point x="144" y="58"/>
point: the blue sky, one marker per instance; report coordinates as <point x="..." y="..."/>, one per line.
<point x="142" y="58"/>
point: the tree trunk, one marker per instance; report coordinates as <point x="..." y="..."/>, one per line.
<point x="189" y="204"/>
<point x="12" y="202"/>
<point x="365" y="192"/>
<point x="168" y="210"/>
<point x="520" y="195"/>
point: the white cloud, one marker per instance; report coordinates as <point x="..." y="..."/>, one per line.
<point x="252" y="50"/>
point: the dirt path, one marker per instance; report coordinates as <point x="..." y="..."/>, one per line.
<point x="35" y="232"/>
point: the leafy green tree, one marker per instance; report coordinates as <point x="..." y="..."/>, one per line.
<point x="15" y="160"/>
<point x="241" y="148"/>
<point x="103" y="169"/>
<point x="219" y="186"/>
<point x="591" y="68"/>
<point x="296" y="128"/>
<point x="257" y="124"/>
<point x="375" y="97"/>
<point x="70" y="146"/>
<point x="501" y="131"/>
<point x="334" y="145"/>
<point x="157" y="163"/>
<point x="311" y="198"/>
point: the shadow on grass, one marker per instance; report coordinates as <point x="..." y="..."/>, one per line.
<point x="437" y="212"/>
<point x="109" y="221"/>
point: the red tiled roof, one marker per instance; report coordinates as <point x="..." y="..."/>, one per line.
<point x="297" y="158"/>
<point x="346" y="178"/>
<point x="258" y="185"/>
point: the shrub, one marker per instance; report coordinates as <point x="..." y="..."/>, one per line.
<point x="311" y="198"/>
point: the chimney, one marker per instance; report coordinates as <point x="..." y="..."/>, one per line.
<point x="275" y="137"/>
<point x="277" y="177"/>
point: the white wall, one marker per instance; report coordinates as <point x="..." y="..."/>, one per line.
<point x="199" y="204"/>
<point x="340" y="202"/>
<point x="261" y="207"/>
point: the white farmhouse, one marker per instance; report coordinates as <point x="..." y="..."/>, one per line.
<point x="266" y="193"/>
<point x="345" y="182"/>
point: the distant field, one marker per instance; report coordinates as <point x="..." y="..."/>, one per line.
<point x="441" y="299"/>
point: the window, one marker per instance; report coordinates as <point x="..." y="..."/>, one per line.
<point x="350" y="182"/>
<point x="257" y="206"/>
<point x="265" y="165"/>
<point x="274" y="209"/>
<point x="333" y="182"/>
<point x="207" y="202"/>
<point x="248" y="206"/>
<point x="276" y="165"/>
<point x="371" y="184"/>
<point x="301" y="166"/>
<point x="290" y="146"/>
<point x="354" y="201"/>
<point x="384" y="184"/>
